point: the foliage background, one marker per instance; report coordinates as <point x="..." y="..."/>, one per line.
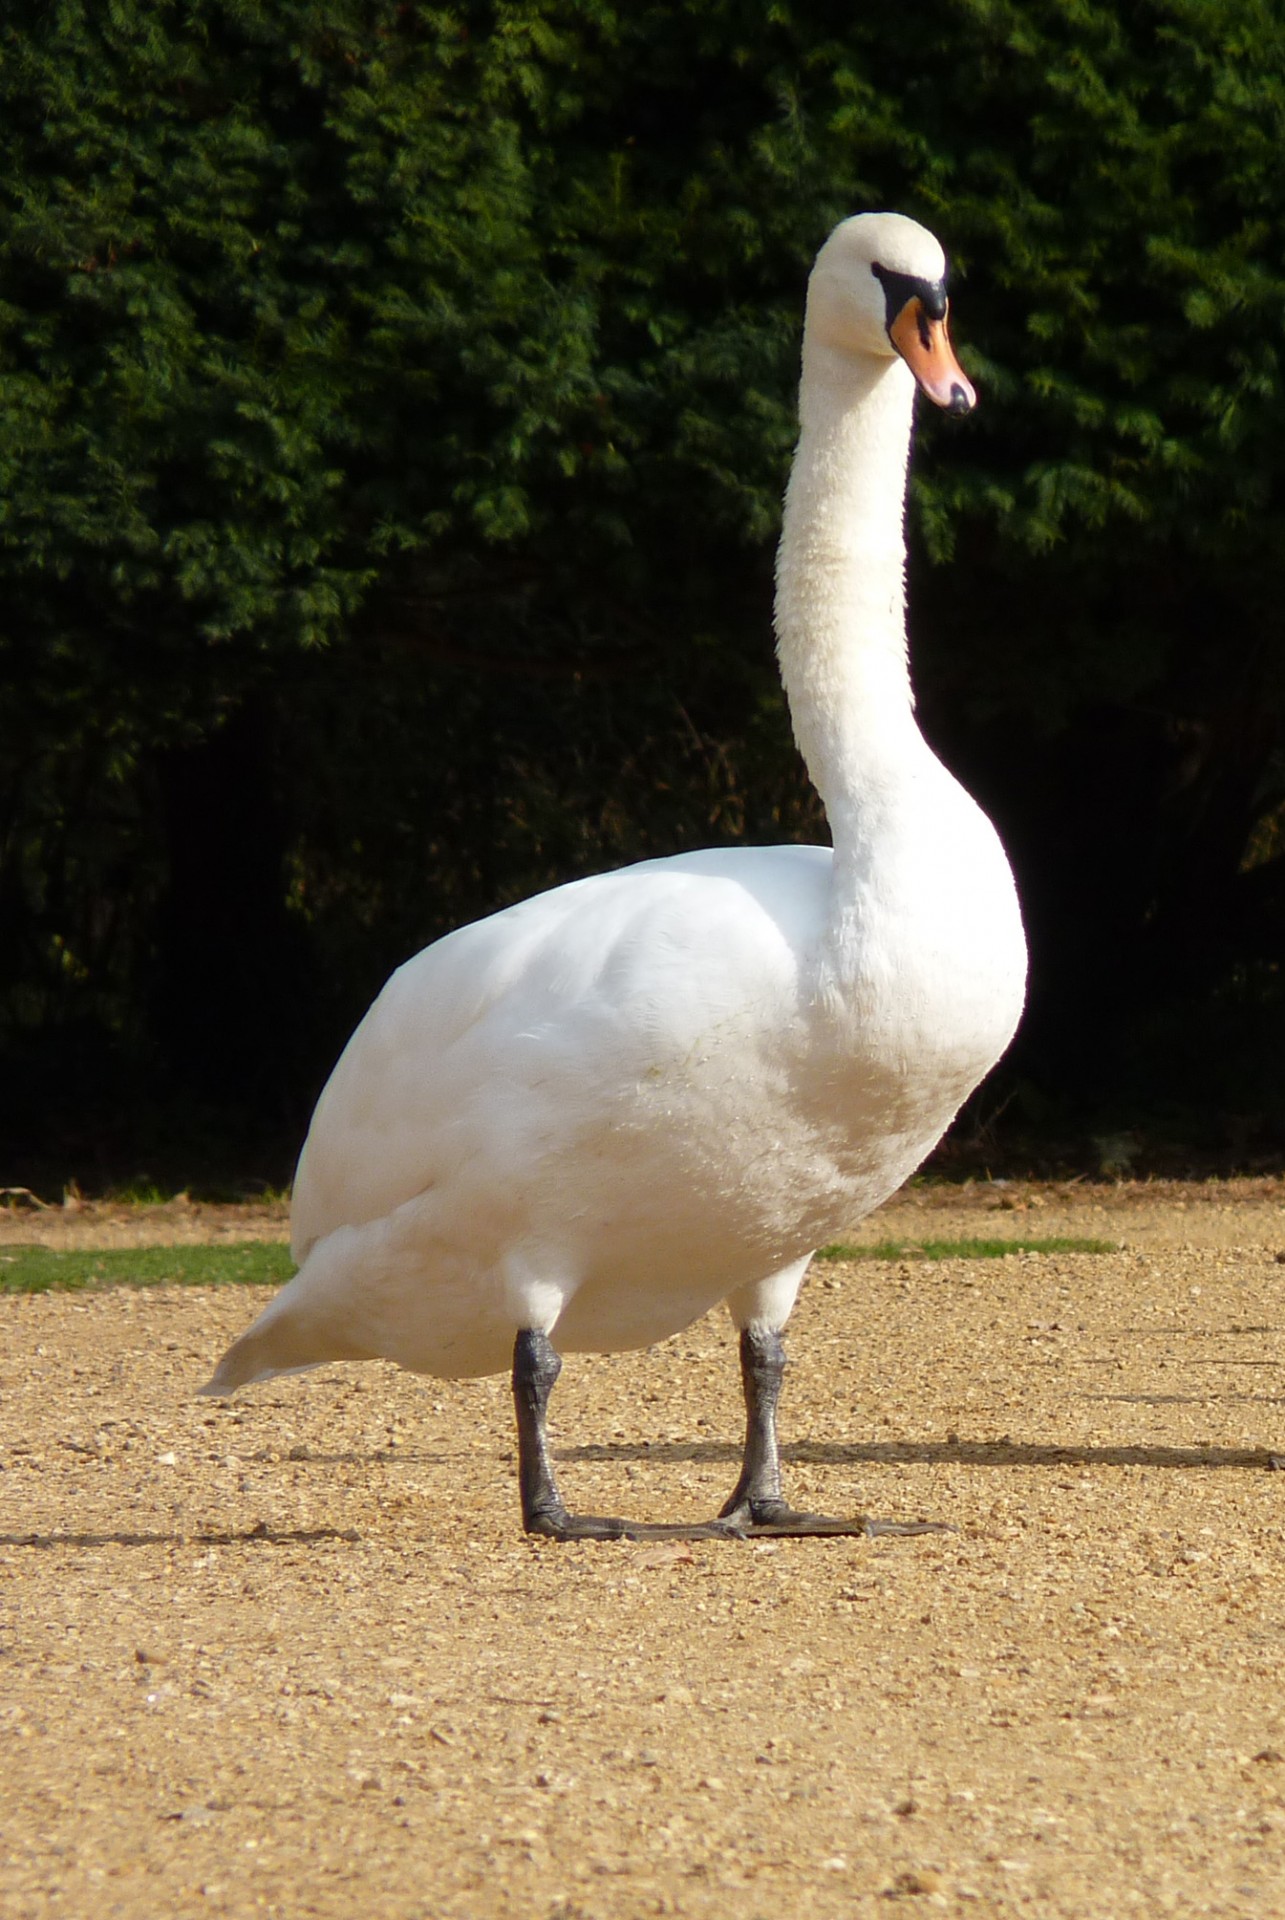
<point x="395" y="404"/>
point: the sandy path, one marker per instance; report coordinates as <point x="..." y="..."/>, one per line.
<point x="294" y="1657"/>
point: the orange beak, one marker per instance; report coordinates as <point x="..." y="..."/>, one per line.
<point x="924" y="345"/>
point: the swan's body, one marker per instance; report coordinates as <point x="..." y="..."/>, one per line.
<point x="597" y="1114"/>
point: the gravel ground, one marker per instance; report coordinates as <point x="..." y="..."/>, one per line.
<point x="293" y="1656"/>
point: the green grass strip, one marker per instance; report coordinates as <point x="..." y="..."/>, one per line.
<point x="259" y="1263"/>
<point x="42" y="1270"/>
<point x="963" y="1249"/>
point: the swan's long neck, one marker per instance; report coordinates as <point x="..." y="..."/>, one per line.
<point x="840" y="599"/>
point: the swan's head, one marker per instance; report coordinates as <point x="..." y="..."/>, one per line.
<point x="879" y="287"/>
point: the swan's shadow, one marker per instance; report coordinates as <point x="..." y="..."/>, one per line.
<point x="901" y="1453"/>
<point x="969" y="1453"/>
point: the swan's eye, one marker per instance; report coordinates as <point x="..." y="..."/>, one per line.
<point x="899" y="289"/>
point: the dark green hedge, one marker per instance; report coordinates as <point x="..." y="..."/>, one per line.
<point x="394" y="408"/>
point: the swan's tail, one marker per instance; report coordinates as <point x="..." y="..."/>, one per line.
<point x="308" y="1323"/>
<point x="260" y="1354"/>
<point x="389" y="1289"/>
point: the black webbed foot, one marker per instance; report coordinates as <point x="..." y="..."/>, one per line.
<point x="561" y="1525"/>
<point x="776" y="1519"/>
<point x="756" y="1506"/>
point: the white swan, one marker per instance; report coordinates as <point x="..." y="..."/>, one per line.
<point x="591" y="1117"/>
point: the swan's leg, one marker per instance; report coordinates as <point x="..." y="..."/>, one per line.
<point x="757" y="1494"/>
<point x="756" y="1505"/>
<point x="535" y="1371"/>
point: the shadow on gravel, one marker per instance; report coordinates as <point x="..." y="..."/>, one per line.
<point x="252" y="1537"/>
<point x="967" y="1453"/>
<point x="397" y="1456"/>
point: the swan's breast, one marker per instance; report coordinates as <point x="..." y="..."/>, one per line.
<point x="923" y="969"/>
